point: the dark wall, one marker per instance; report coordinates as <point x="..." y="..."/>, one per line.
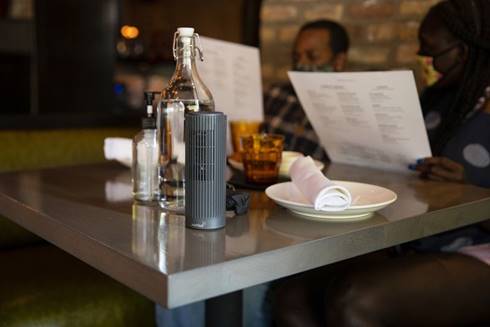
<point x="15" y="83"/>
<point x="75" y="55"/>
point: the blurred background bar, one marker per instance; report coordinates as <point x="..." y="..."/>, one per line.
<point x="69" y="63"/>
<point x="85" y="63"/>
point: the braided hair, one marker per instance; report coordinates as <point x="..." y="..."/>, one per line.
<point x="469" y="21"/>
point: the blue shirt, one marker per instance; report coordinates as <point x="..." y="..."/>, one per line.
<point x="470" y="146"/>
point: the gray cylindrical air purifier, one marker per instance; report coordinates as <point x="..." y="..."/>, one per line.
<point x="205" y="163"/>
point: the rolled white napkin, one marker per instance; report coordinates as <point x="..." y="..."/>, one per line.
<point x="317" y="189"/>
<point x="118" y="148"/>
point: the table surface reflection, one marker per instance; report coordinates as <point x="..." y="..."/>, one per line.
<point x="88" y="212"/>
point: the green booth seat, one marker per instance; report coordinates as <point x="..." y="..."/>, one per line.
<point x="34" y="149"/>
<point x="40" y="285"/>
<point x="43" y="286"/>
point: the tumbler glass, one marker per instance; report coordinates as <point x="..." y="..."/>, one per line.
<point x="261" y="156"/>
<point x="239" y="128"/>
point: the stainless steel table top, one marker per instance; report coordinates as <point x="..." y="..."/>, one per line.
<point x="88" y="212"/>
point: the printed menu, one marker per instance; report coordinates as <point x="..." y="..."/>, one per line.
<point x="369" y="119"/>
<point x="232" y="73"/>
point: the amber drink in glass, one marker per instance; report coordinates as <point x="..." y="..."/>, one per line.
<point x="261" y="156"/>
<point x="239" y="128"/>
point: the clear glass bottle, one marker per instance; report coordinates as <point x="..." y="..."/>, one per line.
<point x="185" y="92"/>
<point x="145" y="170"/>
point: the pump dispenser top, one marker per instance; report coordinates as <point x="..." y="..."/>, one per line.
<point x="149" y="122"/>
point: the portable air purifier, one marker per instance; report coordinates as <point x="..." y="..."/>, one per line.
<point x="205" y="163"/>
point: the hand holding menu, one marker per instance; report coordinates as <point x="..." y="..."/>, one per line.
<point x="369" y="119"/>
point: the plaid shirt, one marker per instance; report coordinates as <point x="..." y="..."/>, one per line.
<point x="284" y="115"/>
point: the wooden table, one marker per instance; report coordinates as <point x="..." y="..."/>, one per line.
<point x="87" y="211"/>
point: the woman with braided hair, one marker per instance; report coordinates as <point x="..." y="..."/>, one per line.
<point x="443" y="280"/>
<point x="455" y="36"/>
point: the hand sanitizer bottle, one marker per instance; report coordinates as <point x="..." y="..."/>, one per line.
<point x="145" y="157"/>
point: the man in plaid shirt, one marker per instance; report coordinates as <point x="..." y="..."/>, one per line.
<point x="320" y="46"/>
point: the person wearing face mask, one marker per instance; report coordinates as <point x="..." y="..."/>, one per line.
<point x="320" y="46"/>
<point x="441" y="280"/>
<point x="454" y="103"/>
<point x="456" y="106"/>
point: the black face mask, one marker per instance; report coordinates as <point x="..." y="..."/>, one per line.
<point x="439" y="55"/>
<point x="326" y="68"/>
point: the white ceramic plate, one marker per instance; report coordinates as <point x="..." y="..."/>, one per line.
<point x="366" y="199"/>
<point x="283" y="169"/>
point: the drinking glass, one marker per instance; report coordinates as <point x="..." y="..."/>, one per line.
<point x="261" y="156"/>
<point x="239" y="128"/>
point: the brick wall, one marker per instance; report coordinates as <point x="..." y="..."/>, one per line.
<point x="383" y="32"/>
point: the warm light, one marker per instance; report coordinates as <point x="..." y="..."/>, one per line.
<point x="130" y="32"/>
